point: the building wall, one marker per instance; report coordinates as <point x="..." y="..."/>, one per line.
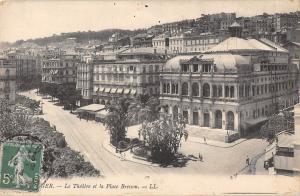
<point x="7" y="81"/>
<point x="135" y="78"/>
<point x="247" y="97"/>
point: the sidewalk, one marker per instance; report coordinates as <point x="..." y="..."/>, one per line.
<point x="133" y="133"/>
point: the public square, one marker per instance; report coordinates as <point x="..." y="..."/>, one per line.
<point x="87" y="137"/>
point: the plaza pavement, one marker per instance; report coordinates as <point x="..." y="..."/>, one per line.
<point x="88" y="138"/>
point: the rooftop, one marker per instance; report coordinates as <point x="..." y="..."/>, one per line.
<point x="239" y="44"/>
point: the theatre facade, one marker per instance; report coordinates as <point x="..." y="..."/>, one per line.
<point x="234" y="86"/>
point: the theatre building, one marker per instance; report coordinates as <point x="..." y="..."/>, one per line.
<point x="234" y="86"/>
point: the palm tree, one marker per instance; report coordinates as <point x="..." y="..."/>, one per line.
<point x="144" y="108"/>
<point x="117" y="119"/>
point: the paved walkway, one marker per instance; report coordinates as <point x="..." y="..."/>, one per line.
<point x="133" y="133"/>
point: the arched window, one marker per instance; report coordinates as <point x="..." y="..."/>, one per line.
<point x="173" y="89"/>
<point x="220" y="91"/>
<point x="231" y="92"/>
<point x="206" y="90"/>
<point x="195" y="89"/>
<point x="226" y="91"/>
<point x="185" y="89"/>
<point x="165" y="88"/>
<point x="215" y="91"/>
<point x="168" y="88"/>
<point x="176" y="89"/>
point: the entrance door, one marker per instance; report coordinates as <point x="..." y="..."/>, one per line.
<point x="206" y="120"/>
<point x="186" y="116"/>
<point x="195" y="118"/>
<point x="230" y="120"/>
<point x="218" y="119"/>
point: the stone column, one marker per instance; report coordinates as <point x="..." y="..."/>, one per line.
<point x="190" y="120"/>
<point x="224" y="120"/>
<point x="212" y="119"/>
<point x="237" y="121"/>
<point x="210" y="90"/>
<point x="223" y="89"/>
<point x="161" y="87"/>
<point x="200" y="89"/>
<point x="236" y="90"/>
<point x="200" y="115"/>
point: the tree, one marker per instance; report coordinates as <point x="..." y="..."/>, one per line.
<point x="275" y="124"/>
<point x="163" y="138"/>
<point x="117" y="119"/>
<point x="145" y="108"/>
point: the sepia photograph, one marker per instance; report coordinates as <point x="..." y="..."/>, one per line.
<point x="149" y="97"/>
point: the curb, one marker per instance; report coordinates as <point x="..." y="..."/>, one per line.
<point x="125" y="159"/>
<point x="229" y="146"/>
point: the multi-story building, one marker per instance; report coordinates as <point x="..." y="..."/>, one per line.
<point x="7" y="80"/>
<point x="161" y="42"/>
<point x="178" y="27"/>
<point x="28" y="69"/>
<point x="190" y="43"/>
<point x="60" y="70"/>
<point x="234" y="86"/>
<point x="141" y="40"/>
<point x="135" y="71"/>
<point x="281" y="21"/>
<point x="85" y="80"/>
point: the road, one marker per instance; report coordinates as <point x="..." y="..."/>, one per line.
<point x="87" y="138"/>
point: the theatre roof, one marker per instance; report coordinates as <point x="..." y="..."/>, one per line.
<point x="239" y="44"/>
<point x="223" y="62"/>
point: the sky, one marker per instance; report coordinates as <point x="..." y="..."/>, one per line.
<point x="26" y="19"/>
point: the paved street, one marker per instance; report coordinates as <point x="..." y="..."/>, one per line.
<point x="87" y="137"/>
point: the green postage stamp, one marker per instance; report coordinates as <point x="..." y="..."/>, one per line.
<point x="20" y="166"/>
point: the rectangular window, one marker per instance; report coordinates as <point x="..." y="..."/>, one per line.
<point x="195" y="67"/>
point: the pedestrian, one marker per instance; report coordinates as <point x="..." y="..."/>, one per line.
<point x="248" y="161"/>
<point x="204" y="139"/>
<point x="200" y="157"/>
<point x="186" y="135"/>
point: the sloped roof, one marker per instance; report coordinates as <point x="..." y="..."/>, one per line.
<point x="239" y="44"/>
<point x="232" y="43"/>
<point x="222" y="61"/>
<point x="226" y="61"/>
<point x="274" y="45"/>
<point x="174" y="63"/>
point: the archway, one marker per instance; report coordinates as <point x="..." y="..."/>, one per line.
<point x="206" y="120"/>
<point x="185" y="89"/>
<point x="206" y="90"/>
<point x="175" y="112"/>
<point x="230" y="120"/>
<point x="218" y="119"/>
<point x="195" y="89"/>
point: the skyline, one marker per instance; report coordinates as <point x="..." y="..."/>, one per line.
<point x="35" y="19"/>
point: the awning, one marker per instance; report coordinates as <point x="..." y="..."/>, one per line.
<point x="92" y="108"/>
<point x="120" y="90"/>
<point x="126" y="91"/>
<point x="107" y="90"/>
<point x="101" y="114"/>
<point x="101" y="89"/>
<point x="133" y="91"/>
<point x="255" y="121"/>
<point x="113" y="90"/>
